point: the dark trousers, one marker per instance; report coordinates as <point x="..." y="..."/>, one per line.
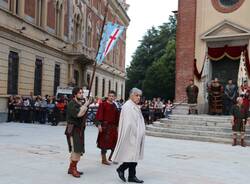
<point x="131" y="166"/>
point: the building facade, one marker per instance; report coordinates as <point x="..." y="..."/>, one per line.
<point x="204" y="29"/>
<point x="49" y="43"/>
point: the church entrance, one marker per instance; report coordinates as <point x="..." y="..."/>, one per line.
<point x="225" y="69"/>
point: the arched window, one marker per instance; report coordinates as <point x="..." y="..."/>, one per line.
<point x="89" y="33"/>
<point x="109" y="85"/>
<point x="59" y="16"/>
<point x="103" y="87"/>
<point x="96" y="86"/>
<point x="13" y="68"/>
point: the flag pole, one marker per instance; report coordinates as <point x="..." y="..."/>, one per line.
<point x="99" y="44"/>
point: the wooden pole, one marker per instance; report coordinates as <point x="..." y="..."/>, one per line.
<point x="99" y="44"/>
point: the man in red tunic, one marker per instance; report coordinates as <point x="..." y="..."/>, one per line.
<point x="244" y="93"/>
<point x="107" y="119"/>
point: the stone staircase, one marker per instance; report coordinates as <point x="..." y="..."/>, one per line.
<point x="195" y="127"/>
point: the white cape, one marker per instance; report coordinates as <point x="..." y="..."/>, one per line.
<point x="131" y="134"/>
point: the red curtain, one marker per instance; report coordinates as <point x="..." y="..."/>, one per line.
<point x="196" y="72"/>
<point x="216" y="54"/>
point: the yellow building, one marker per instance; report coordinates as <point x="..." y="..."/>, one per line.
<point x="49" y="43"/>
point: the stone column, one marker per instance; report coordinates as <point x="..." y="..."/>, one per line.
<point x="61" y="19"/>
<point x="44" y="13"/>
<point x="21" y="8"/>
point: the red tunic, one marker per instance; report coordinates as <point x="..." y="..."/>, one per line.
<point x="245" y="92"/>
<point x="108" y="115"/>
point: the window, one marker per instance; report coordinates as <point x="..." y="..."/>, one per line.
<point x="59" y="8"/>
<point x="122" y="91"/>
<point x="76" y="77"/>
<point x="13" y="6"/>
<point x="109" y="85"/>
<point x="227" y="6"/>
<point x="4" y="4"/>
<point x="38" y="77"/>
<point x="77" y="29"/>
<point x="88" y="79"/>
<point x="228" y="2"/>
<point x="13" y="65"/>
<point x="40" y="12"/>
<point x="116" y="87"/>
<point x="103" y="87"/>
<point x="56" y="77"/>
<point x="96" y="86"/>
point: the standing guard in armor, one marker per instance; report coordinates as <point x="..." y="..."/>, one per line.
<point x="216" y="93"/>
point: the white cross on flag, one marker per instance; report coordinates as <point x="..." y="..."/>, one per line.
<point x="110" y="35"/>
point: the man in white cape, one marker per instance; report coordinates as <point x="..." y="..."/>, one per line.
<point x="131" y="135"/>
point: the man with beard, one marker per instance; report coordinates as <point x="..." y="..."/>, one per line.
<point x="131" y="135"/>
<point x="75" y="129"/>
<point x="107" y="118"/>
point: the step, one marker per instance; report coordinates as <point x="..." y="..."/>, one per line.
<point x="191" y="132"/>
<point x="192" y="137"/>
<point x="201" y="118"/>
<point x="226" y="128"/>
<point x="196" y="122"/>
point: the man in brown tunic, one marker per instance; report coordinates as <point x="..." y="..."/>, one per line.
<point x="75" y="129"/>
<point x="192" y="94"/>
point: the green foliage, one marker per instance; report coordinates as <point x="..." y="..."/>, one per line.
<point x="153" y="64"/>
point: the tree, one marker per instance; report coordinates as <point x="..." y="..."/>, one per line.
<point x="154" y="53"/>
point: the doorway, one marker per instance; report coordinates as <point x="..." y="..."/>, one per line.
<point x="225" y="69"/>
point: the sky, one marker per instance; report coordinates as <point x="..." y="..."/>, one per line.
<point x="143" y="15"/>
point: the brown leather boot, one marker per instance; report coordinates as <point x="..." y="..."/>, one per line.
<point x="242" y="143"/>
<point x="234" y="142"/>
<point x="70" y="169"/>
<point x="73" y="169"/>
<point x="104" y="160"/>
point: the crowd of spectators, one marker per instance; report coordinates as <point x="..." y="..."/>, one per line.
<point x="155" y="109"/>
<point x="47" y="109"/>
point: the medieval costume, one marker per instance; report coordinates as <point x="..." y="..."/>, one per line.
<point x="130" y="145"/>
<point x="215" y="98"/>
<point x="245" y="93"/>
<point x="239" y="121"/>
<point x="75" y="133"/>
<point x="107" y="117"/>
<point x="230" y="97"/>
<point x="192" y="94"/>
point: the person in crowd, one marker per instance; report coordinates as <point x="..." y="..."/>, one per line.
<point x="230" y="96"/>
<point x="192" y="93"/>
<point x="168" y="109"/>
<point x="43" y="109"/>
<point x="145" y="111"/>
<point x="131" y="136"/>
<point x="107" y="118"/>
<point x="75" y="129"/>
<point x="37" y="107"/>
<point x="11" y="102"/>
<point x="158" y="108"/>
<point x="51" y="111"/>
<point x="238" y="121"/>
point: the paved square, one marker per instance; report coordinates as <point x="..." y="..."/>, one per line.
<point x="37" y="154"/>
